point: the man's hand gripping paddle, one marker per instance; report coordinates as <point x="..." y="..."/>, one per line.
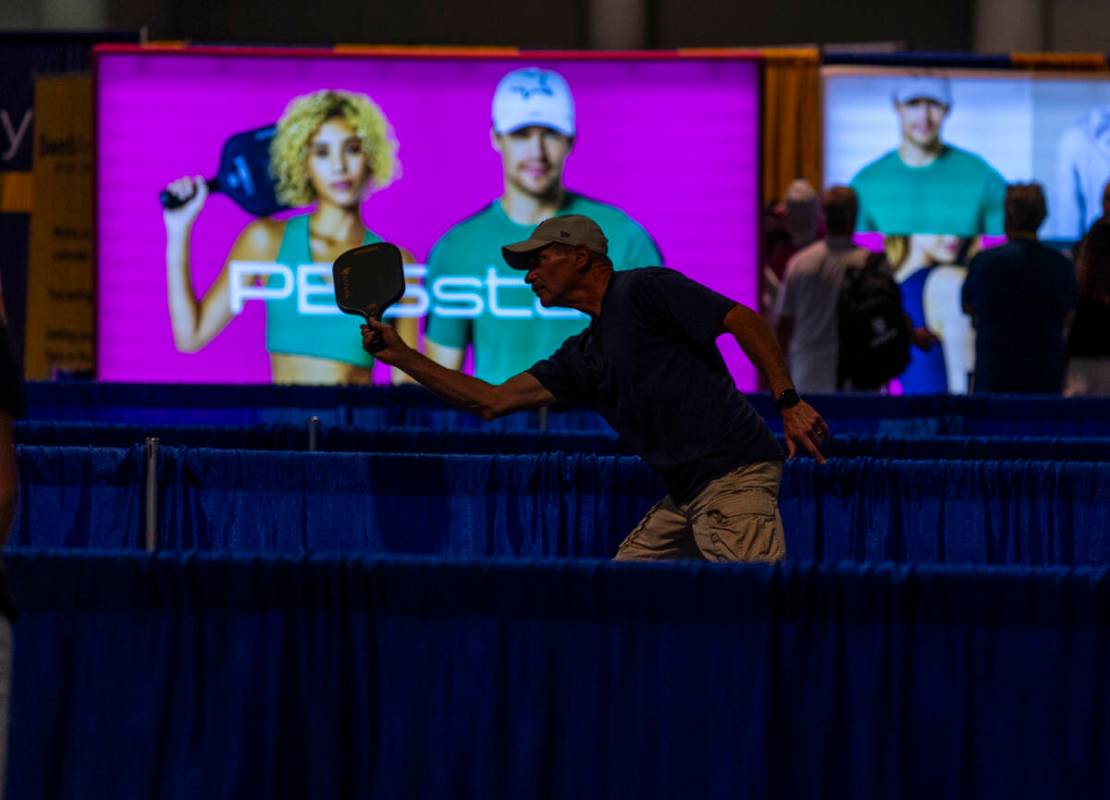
<point x="368" y="280"/>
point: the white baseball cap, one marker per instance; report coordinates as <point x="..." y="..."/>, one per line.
<point x="924" y="87"/>
<point x="533" y="96"/>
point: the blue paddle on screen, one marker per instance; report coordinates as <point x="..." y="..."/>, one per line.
<point x="244" y="174"/>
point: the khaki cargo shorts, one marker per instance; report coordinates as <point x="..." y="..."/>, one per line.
<point x="734" y="518"/>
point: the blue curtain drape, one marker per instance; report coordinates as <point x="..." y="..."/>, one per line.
<point x="505" y="442"/>
<point x="357" y="406"/>
<point x="568" y="505"/>
<point x="396" y="439"/>
<point x="115" y="434"/>
<point x="553" y="504"/>
<point x="954" y="415"/>
<point x="1017" y="415"/>
<point x="986" y="512"/>
<point x="972" y="448"/>
<point x="79" y="497"/>
<point x="209" y="677"/>
<point x="412" y="406"/>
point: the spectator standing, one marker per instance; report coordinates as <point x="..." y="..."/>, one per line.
<point x="806" y="309"/>
<point x="1089" y="338"/>
<point x="1021" y="297"/>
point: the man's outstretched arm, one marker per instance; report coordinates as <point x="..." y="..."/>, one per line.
<point x="518" y="393"/>
<point x="801" y="424"/>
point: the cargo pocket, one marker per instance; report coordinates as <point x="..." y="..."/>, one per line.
<point x="741" y="526"/>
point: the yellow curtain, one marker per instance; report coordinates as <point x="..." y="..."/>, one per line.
<point x="1077" y="62"/>
<point x="792" y="132"/>
<point x="15" y="192"/>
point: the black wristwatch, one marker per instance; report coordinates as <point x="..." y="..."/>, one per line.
<point x="788" y="398"/>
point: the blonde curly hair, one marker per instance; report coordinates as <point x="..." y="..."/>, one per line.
<point x="301" y="119"/>
<point x="897" y="249"/>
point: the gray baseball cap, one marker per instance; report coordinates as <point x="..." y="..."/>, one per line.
<point x="573" y="229"/>
<point x="924" y="87"/>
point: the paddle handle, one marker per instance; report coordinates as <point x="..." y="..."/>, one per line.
<point x="171" y="201"/>
<point x="376" y="343"/>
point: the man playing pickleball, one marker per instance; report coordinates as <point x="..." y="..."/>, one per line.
<point x="648" y="361"/>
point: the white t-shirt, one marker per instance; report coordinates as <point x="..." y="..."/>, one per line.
<point x="809" y="295"/>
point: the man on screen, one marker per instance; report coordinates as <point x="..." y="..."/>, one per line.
<point x="925" y="185"/>
<point x="533" y="130"/>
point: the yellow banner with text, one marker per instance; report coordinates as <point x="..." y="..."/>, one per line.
<point x="59" y="337"/>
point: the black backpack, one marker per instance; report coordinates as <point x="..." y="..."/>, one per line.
<point x="874" y="330"/>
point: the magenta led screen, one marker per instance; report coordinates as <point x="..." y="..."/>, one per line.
<point x="670" y="143"/>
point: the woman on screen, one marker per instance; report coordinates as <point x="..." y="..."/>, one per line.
<point x="928" y="270"/>
<point x="331" y="148"/>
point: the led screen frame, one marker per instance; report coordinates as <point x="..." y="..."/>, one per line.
<point x="705" y="223"/>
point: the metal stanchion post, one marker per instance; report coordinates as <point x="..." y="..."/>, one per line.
<point x="313" y="431"/>
<point x="543" y="418"/>
<point x="150" y="528"/>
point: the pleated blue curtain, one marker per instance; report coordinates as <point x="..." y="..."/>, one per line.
<point x="972" y="448"/>
<point x="1016" y="512"/>
<point x="412" y="406"/>
<point x="484" y="441"/>
<point x="872" y="414"/>
<point x="107" y="434"/>
<point x="171" y="404"/>
<point x="567" y="505"/>
<point x="472" y="442"/>
<point x="79" y="497"/>
<point x="553" y="504"/>
<point x="395" y="439"/>
<point x="1017" y="415"/>
<point x="222" y="677"/>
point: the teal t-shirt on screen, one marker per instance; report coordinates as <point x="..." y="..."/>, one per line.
<point x="958" y="193"/>
<point x="324" y="334"/>
<point x="512" y="331"/>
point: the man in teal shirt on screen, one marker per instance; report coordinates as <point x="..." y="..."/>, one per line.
<point x="925" y="185"/>
<point x="476" y="298"/>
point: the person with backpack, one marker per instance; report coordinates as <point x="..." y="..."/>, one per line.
<point x="806" y="311"/>
<point x="839" y="316"/>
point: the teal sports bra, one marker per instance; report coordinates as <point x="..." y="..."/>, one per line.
<point x="332" y="335"/>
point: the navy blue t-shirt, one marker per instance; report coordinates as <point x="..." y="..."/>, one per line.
<point x="650" y="364"/>
<point x="1019" y="295"/>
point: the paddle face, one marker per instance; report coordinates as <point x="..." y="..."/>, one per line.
<point x="244" y="174"/>
<point x="369" y="279"/>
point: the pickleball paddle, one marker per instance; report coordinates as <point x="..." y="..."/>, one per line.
<point x="244" y="174"/>
<point x="368" y="280"/>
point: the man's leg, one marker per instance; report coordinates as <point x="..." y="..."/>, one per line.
<point x="736" y="517"/>
<point x="663" y="533"/>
